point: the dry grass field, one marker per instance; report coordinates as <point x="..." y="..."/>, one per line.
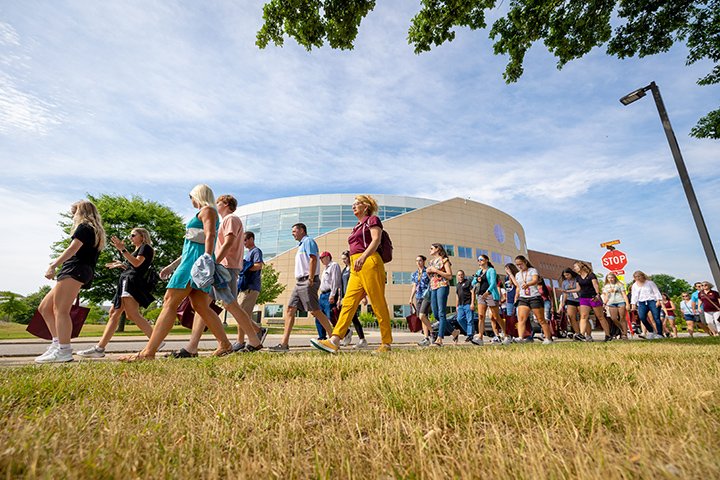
<point x="619" y="410"/>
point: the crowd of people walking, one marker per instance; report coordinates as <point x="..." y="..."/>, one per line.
<point x="220" y="261"/>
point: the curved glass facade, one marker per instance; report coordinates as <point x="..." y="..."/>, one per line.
<point x="272" y="227"/>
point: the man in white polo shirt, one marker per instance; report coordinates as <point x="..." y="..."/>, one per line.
<point x="304" y="296"/>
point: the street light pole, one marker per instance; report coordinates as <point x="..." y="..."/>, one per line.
<point x="683" y="173"/>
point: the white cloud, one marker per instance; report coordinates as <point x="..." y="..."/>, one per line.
<point x="8" y="35"/>
<point x="151" y="98"/>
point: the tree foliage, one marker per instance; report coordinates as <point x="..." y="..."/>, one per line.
<point x="569" y="29"/>
<point x="16" y="308"/>
<point x="13" y="307"/>
<point x="270" y="286"/>
<point x="120" y="215"/>
<point x="674" y="287"/>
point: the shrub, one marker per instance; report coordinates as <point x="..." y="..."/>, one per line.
<point x="367" y="319"/>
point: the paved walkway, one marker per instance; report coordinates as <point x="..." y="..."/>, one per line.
<point x="24" y="351"/>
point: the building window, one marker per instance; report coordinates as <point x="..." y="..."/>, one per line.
<point x="273" y="310"/>
<point x="499" y="233"/>
<point x="517" y="241"/>
<point x="464" y="252"/>
<point x="450" y="250"/>
<point x="401" y="311"/>
<point x="401" y="278"/>
<point x="496" y="257"/>
<point x="481" y="251"/>
<point x="507" y="259"/>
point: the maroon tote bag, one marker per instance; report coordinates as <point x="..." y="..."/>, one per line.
<point x="78" y="314"/>
<point x="186" y="314"/>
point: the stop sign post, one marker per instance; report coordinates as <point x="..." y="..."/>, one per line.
<point x="614" y="260"/>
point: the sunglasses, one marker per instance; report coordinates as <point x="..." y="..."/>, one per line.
<point x="133" y="235"/>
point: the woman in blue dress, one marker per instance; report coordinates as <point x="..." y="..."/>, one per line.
<point x="199" y="240"/>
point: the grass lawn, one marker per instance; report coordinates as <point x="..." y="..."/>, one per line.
<point x="618" y="410"/>
<point x="11" y="331"/>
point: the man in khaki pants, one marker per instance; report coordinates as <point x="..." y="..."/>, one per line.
<point x="250" y="285"/>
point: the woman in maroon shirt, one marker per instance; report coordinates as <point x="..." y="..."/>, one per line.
<point x="711" y="306"/>
<point x="367" y="276"/>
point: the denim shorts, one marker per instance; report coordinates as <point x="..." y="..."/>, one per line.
<point x="617" y="305"/>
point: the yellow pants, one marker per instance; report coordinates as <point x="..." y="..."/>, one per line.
<point x="370" y="281"/>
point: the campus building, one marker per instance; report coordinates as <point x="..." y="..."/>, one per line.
<point x="466" y="228"/>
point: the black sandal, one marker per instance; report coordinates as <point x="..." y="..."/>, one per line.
<point x="182" y="353"/>
<point x="250" y="349"/>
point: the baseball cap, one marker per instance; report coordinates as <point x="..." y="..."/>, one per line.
<point x="325" y="254"/>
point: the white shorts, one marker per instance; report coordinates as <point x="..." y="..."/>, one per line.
<point x="124" y="292"/>
<point x="489" y="301"/>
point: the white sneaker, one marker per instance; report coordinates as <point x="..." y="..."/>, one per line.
<point x="56" y="356"/>
<point x="347" y="339"/>
<point x="362" y="344"/>
<point x="508" y="341"/>
<point x="50" y="349"/>
<point x="94" y="352"/>
<point x="547" y="341"/>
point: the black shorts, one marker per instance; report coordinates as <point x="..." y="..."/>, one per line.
<point x="532" y="302"/>
<point x="77" y="271"/>
<point x="572" y="303"/>
<point x="422" y="306"/>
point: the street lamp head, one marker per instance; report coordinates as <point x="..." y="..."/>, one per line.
<point x="633" y="96"/>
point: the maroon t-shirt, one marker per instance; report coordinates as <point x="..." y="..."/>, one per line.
<point x="710" y="301"/>
<point x="360" y="237"/>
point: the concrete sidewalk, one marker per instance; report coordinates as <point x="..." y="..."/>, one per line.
<point x="23" y="351"/>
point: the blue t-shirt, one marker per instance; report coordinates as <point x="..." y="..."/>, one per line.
<point x="421" y="284"/>
<point x="252" y="278"/>
<point x="695" y="297"/>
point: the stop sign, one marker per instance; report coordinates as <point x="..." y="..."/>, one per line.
<point x="614" y="260"/>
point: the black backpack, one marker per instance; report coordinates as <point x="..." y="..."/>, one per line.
<point x="151" y="278"/>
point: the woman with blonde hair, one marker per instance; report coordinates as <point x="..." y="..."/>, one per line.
<point x="133" y="290"/>
<point x="367" y="277"/>
<point x="711" y="306"/>
<point x="78" y="269"/>
<point x="645" y="297"/>
<point x="615" y="298"/>
<point x="199" y="241"/>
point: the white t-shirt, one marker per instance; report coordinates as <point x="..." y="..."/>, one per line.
<point x="527" y="277"/>
<point x="306" y="247"/>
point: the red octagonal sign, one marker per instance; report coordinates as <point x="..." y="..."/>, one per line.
<point x="614" y="260"/>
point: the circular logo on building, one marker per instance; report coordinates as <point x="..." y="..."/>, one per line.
<point x="517" y="241"/>
<point x="499" y="233"/>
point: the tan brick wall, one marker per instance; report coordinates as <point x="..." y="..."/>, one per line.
<point x="457" y="222"/>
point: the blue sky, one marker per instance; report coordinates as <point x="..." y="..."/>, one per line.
<point x="151" y="98"/>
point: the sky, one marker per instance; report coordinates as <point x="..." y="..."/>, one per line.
<point x="151" y="98"/>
